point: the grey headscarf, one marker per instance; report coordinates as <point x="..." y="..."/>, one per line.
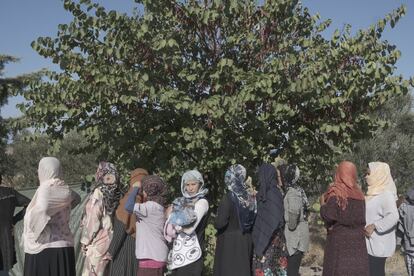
<point x="195" y="176"/>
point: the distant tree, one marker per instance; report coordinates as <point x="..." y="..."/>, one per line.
<point x="7" y="85"/>
<point x="204" y="84"/>
<point x="393" y="145"/>
<point x="27" y="150"/>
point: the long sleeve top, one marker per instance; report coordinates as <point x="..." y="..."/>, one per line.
<point x="297" y="228"/>
<point x="382" y="211"/>
<point x="200" y="209"/>
<point x="150" y="241"/>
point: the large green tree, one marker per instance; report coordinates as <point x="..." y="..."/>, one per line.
<point x="184" y="84"/>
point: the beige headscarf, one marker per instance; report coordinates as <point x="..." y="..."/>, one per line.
<point x="379" y="180"/>
<point x="52" y="196"/>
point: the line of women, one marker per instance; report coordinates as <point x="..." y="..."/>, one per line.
<point x="258" y="233"/>
<point x="138" y="233"/>
<point x="361" y="229"/>
<point x="109" y="240"/>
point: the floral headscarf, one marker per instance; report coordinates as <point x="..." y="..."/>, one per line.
<point x="245" y="202"/>
<point x="107" y="179"/>
<point x="235" y="180"/>
<point x="155" y="188"/>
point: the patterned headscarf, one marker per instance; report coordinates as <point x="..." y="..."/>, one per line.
<point x="193" y="175"/>
<point x="107" y="179"/>
<point x="155" y="188"/>
<point x="235" y="180"/>
<point x="345" y="185"/>
<point x="245" y="202"/>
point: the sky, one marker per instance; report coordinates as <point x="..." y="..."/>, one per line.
<point x="22" y="21"/>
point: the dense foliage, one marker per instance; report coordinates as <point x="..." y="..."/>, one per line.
<point x="184" y="84"/>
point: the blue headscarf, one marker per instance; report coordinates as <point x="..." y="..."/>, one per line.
<point x="245" y="202"/>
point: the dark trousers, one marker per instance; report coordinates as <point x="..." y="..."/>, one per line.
<point x="376" y="265"/>
<point x="294" y="263"/>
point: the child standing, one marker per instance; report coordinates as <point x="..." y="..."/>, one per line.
<point x="151" y="247"/>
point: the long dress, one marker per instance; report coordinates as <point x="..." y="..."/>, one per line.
<point x="233" y="248"/>
<point x="9" y="200"/>
<point x="122" y="250"/>
<point x="96" y="236"/>
<point x="345" y="251"/>
<point x="275" y="259"/>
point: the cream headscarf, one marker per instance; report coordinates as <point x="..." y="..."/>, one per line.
<point x="52" y="196"/>
<point x="379" y="180"/>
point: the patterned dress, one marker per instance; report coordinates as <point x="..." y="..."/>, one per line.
<point x="96" y="236"/>
<point x="274" y="262"/>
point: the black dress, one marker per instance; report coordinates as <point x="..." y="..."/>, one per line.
<point x="9" y="200"/>
<point x="122" y="250"/>
<point x="233" y="248"/>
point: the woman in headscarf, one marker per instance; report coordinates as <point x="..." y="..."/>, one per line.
<point x="122" y="247"/>
<point x="270" y="254"/>
<point x="381" y="216"/>
<point x="194" y="192"/>
<point x="97" y="229"/>
<point x="296" y="211"/>
<point x="234" y="222"/>
<point x="405" y="232"/>
<point x="48" y="241"/>
<point x="151" y="247"/>
<point x="343" y="211"/>
<point x="9" y="200"/>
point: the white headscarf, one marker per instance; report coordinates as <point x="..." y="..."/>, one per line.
<point x="380" y="180"/>
<point x="193" y="175"/>
<point x="52" y="196"/>
<point x="49" y="168"/>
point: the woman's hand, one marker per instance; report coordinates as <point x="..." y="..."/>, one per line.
<point x="369" y="229"/>
<point x="168" y="211"/>
<point x="137" y="184"/>
<point x="322" y="200"/>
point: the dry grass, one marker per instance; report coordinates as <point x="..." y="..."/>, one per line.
<point x="395" y="266"/>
